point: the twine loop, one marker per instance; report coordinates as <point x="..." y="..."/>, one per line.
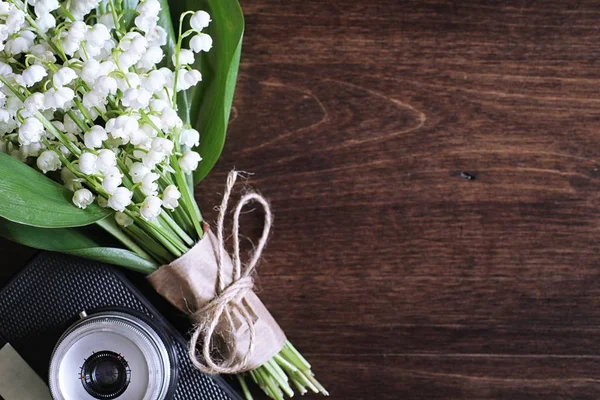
<point x="229" y="297"/>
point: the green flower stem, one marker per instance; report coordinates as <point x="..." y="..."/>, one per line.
<point x="155" y="232"/>
<point x="81" y="124"/>
<point x="187" y="198"/>
<point x="242" y="381"/>
<point x="154" y="248"/>
<point x="173" y="225"/>
<point x="115" y="231"/>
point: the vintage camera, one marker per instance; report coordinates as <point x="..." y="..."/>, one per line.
<point x="90" y="333"/>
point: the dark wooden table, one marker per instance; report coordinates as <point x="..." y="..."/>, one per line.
<point x="433" y="169"/>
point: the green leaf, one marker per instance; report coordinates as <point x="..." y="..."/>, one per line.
<point x="28" y="197"/>
<point x="212" y="98"/>
<point x="74" y="241"/>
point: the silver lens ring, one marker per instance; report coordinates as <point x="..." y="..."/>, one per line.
<point x="110" y="355"/>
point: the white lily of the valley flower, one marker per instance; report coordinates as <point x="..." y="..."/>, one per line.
<point x="34" y="103"/>
<point x="48" y="161"/>
<point x="150" y="58"/>
<point x="87" y="163"/>
<point x="33" y="75"/>
<point x="30" y="131"/>
<point x="186" y="57"/>
<point x="137" y="171"/>
<point x="162" y="145"/>
<point x="58" y="98"/>
<point x="189" y="161"/>
<point x="94" y="137"/>
<point x="201" y="42"/>
<point x="107" y="159"/>
<point x="105" y="85"/>
<point x="45" y="22"/>
<point x="189" y="137"/>
<point x="83" y="198"/>
<point x="136" y="98"/>
<point x="169" y="119"/>
<point x="64" y="76"/>
<point x="90" y="71"/>
<point x="149" y="186"/>
<point x="200" y="20"/>
<point x="121" y="127"/>
<point x="153" y="157"/>
<point x="112" y="179"/>
<point x="150" y="208"/>
<point x="171" y="196"/>
<point x="120" y="199"/>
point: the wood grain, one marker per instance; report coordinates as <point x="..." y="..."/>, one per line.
<point x="394" y="275"/>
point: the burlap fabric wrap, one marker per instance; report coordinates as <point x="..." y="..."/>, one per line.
<point x="216" y="290"/>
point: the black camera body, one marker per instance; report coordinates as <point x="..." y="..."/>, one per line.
<point x="48" y="295"/>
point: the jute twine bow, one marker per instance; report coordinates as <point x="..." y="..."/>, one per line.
<point x="229" y="297"/>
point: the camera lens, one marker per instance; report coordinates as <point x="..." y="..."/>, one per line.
<point x="112" y="355"/>
<point x="105" y="375"/>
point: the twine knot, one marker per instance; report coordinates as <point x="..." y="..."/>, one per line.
<point x="229" y="297"/>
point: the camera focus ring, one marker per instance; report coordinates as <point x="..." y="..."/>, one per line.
<point x="105" y="375"/>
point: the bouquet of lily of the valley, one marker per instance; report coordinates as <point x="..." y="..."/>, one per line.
<point x="108" y="118"/>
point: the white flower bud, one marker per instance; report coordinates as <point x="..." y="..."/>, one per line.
<point x="189" y="137"/>
<point x="123" y="219"/>
<point x="189" y="161"/>
<point x="93" y="99"/>
<point x="157" y="36"/>
<point x="136" y="98"/>
<point x="33" y="74"/>
<point x="107" y="159"/>
<point x="169" y="119"/>
<point x="48" y="161"/>
<point x="31" y="150"/>
<point x="192" y="77"/>
<point x="162" y="145"/>
<point x="97" y="35"/>
<point x="107" y="20"/>
<point x="64" y="76"/>
<point x="90" y="71"/>
<point x="149" y="186"/>
<point x="34" y="103"/>
<point x="150" y="208"/>
<point x="153" y="157"/>
<point x="121" y="127"/>
<point x="105" y="85"/>
<point x="112" y="179"/>
<point x="158" y="105"/>
<point x="30" y="131"/>
<point x="120" y="199"/>
<point x="14" y="21"/>
<point x="200" y="20"/>
<point x="94" y="137"/>
<point x="19" y="44"/>
<point x="45" y="22"/>
<point x="186" y="57"/>
<point x="87" y="163"/>
<point x="83" y="198"/>
<point x="154" y="82"/>
<point x="137" y="171"/>
<point x="58" y="98"/>
<point x="201" y="42"/>
<point x="171" y="196"/>
<point x="150" y="58"/>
